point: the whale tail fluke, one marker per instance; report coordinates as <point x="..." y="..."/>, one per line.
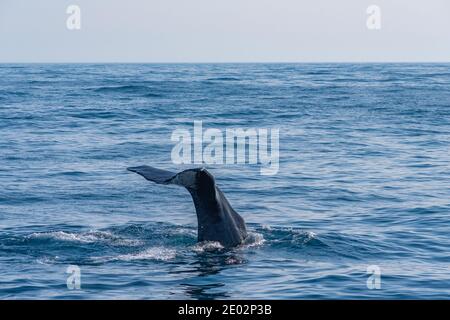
<point x="217" y="220"/>
<point x="187" y="178"/>
<point x="153" y="174"/>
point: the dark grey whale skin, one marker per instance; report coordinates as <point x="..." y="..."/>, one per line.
<point x="217" y="220"/>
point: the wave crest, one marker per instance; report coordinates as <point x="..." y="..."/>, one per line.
<point x="88" y="237"/>
<point x="154" y="253"/>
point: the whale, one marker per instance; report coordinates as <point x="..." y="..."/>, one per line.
<point x="217" y="220"/>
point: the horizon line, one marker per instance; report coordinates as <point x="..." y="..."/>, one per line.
<point x="224" y="62"/>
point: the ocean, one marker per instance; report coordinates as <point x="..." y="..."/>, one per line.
<point x="359" y="208"/>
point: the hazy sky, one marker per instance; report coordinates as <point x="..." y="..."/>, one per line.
<point x="224" y="31"/>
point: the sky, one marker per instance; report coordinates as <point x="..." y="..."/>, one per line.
<point x="225" y="31"/>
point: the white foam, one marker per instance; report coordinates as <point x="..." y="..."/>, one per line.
<point x="47" y="260"/>
<point x="185" y="231"/>
<point x="155" y="253"/>
<point x="63" y="236"/>
<point x="309" y="235"/>
<point x="253" y="240"/>
<point x="207" y="246"/>
<point x="89" y="237"/>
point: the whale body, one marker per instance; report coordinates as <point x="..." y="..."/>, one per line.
<point x="217" y="220"/>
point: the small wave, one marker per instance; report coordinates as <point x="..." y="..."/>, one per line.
<point x="155" y="253"/>
<point x="309" y="236"/>
<point x="14" y="93"/>
<point x="46" y="260"/>
<point x="286" y="236"/>
<point x="304" y="238"/>
<point x="185" y="232"/>
<point x="62" y="236"/>
<point x="144" y="91"/>
<point x="253" y="240"/>
<point x="223" y="79"/>
<point x="125" y="88"/>
<point x="89" y="237"/>
<point x="152" y="95"/>
<point x="139" y="89"/>
<point x="206" y="246"/>
<point x="69" y="173"/>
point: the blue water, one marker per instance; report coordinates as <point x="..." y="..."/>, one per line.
<point x="363" y="180"/>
